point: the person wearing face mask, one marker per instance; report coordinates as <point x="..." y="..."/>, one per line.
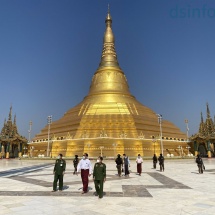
<point x="59" y="170"/>
<point x="75" y="164"/>
<point x="139" y="162"/>
<point x="155" y="160"/>
<point x="86" y="170"/>
<point x="126" y="162"/>
<point x="119" y="165"/>
<point x="161" y="162"/>
<point x="99" y="176"/>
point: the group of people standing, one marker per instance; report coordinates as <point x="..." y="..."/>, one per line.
<point x="84" y="167"/>
<point x="123" y="164"/>
<point x="161" y="162"/>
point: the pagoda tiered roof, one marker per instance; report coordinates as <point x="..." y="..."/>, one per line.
<point x="9" y="132"/>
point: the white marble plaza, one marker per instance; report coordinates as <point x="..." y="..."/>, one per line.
<point x="25" y="188"/>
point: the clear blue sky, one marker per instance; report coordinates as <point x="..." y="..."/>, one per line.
<point x="50" y="49"/>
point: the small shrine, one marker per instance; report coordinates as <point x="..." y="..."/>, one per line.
<point x="12" y="144"/>
<point x="204" y="140"/>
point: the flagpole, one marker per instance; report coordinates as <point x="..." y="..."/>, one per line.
<point x="186" y="122"/>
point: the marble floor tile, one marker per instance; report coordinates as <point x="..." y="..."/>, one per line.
<point x="25" y="187"/>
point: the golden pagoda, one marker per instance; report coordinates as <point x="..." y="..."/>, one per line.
<point x="12" y="144"/>
<point x="109" y="120"/>
<point x="204" y="140"/>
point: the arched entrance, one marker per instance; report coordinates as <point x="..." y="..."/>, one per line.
<point x="202" y="150"/>
<point x="16" y="151"/>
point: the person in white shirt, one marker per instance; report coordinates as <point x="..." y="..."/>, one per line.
<point x="86" y="170"/>
<point x="139" y="162"/>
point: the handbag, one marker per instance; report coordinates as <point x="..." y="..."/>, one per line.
<point x="203" y="166"/>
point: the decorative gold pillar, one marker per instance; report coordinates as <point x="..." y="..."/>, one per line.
<point x="209" y="148"/>
<point x="196" y="148"/>
<point x="209" y="154"/>
<point x="7" y="155"/>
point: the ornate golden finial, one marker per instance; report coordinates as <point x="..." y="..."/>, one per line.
<point x="109" y="57"/>
<point x="202" y="126"/>
<point x="10" y="114"/>
<point x="208" y="111"/>
<point x="202" y="118"/>
<point x="108" y="17"/>
<point x="14" y="121"/>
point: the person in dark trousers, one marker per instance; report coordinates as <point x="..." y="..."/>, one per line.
<point x="99" y="176"/>
<point x="126" y="162"/>
<point x="86" y="170"/>
<point x="119" y="165"/>
<point x="139" y="162"/>
<point x="161" y="162"/>
<point x="75" y="164"/>
<point x="59" y="171"/>
<point x="200" y="164"/>
<point x="155" y="160"/>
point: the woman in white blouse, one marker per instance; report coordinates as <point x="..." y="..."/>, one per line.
<point x="139" y="162"/>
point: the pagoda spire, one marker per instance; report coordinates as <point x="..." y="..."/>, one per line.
<point x="15" y="130"/>
<point x="10" y="114"/>
<point x="109" y="56"/>
<point x="202" y="126"/>
<point x="202" y="120"/>
<point x="14" y="121"/>
<point x="109" y="78"/>
<point x="208" y="111"/>
<point x="209" y="124"/>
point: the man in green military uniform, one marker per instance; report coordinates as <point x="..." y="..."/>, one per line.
<point x="99" y="176"/>
<point x="59" y="170"/>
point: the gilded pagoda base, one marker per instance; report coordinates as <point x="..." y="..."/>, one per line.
<point x="109" y="147"/>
